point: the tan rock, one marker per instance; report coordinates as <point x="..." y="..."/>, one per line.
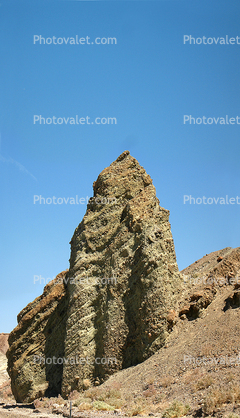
<point x="130" y="240"/>
<point x="38" y="335"/>
<point x="113" y="314"/>
<point x="184" y="310"/>
<point x="172" y="315"/>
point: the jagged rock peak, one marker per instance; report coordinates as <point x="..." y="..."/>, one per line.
<point x="124" y="178"/>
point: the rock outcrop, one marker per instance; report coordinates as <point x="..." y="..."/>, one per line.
<point x="114" y="307"/>
<point x="206" y="278"/>
<point x="39" y="334"/>
<point x="127" y="241"/>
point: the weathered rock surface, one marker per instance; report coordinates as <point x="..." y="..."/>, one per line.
<point x="122" y="290"/>
<point x="219" y="263"/>
<point x="205" y="278"/>
<point x="40" y="332"/>
<point x="128" y="239"/>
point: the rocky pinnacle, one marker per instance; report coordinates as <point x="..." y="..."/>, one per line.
<point x="125" y="276"/>
<point x="111" y="311"/>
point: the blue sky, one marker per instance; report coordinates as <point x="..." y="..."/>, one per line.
<point x="148" y="81"/>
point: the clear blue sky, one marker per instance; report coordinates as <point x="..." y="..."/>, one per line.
<point x="148" y="81"/>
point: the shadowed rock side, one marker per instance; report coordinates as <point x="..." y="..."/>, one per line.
<point x="126" y="245"/>
<point x="40" y="332"/>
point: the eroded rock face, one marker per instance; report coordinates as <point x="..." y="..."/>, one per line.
<point x="207" y="278"/>
<point x="40" y="333"/>
<point x="127" y="245"/>
<point x="122" y="283"/>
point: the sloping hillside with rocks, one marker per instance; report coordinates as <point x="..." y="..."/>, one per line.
<point x="195" y="373"/>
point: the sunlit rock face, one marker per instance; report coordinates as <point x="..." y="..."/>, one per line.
<point x="124" y="275"/>
<point x="110" y="310"/>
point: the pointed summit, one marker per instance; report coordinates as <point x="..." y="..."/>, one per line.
<point x="123" y="178"/>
